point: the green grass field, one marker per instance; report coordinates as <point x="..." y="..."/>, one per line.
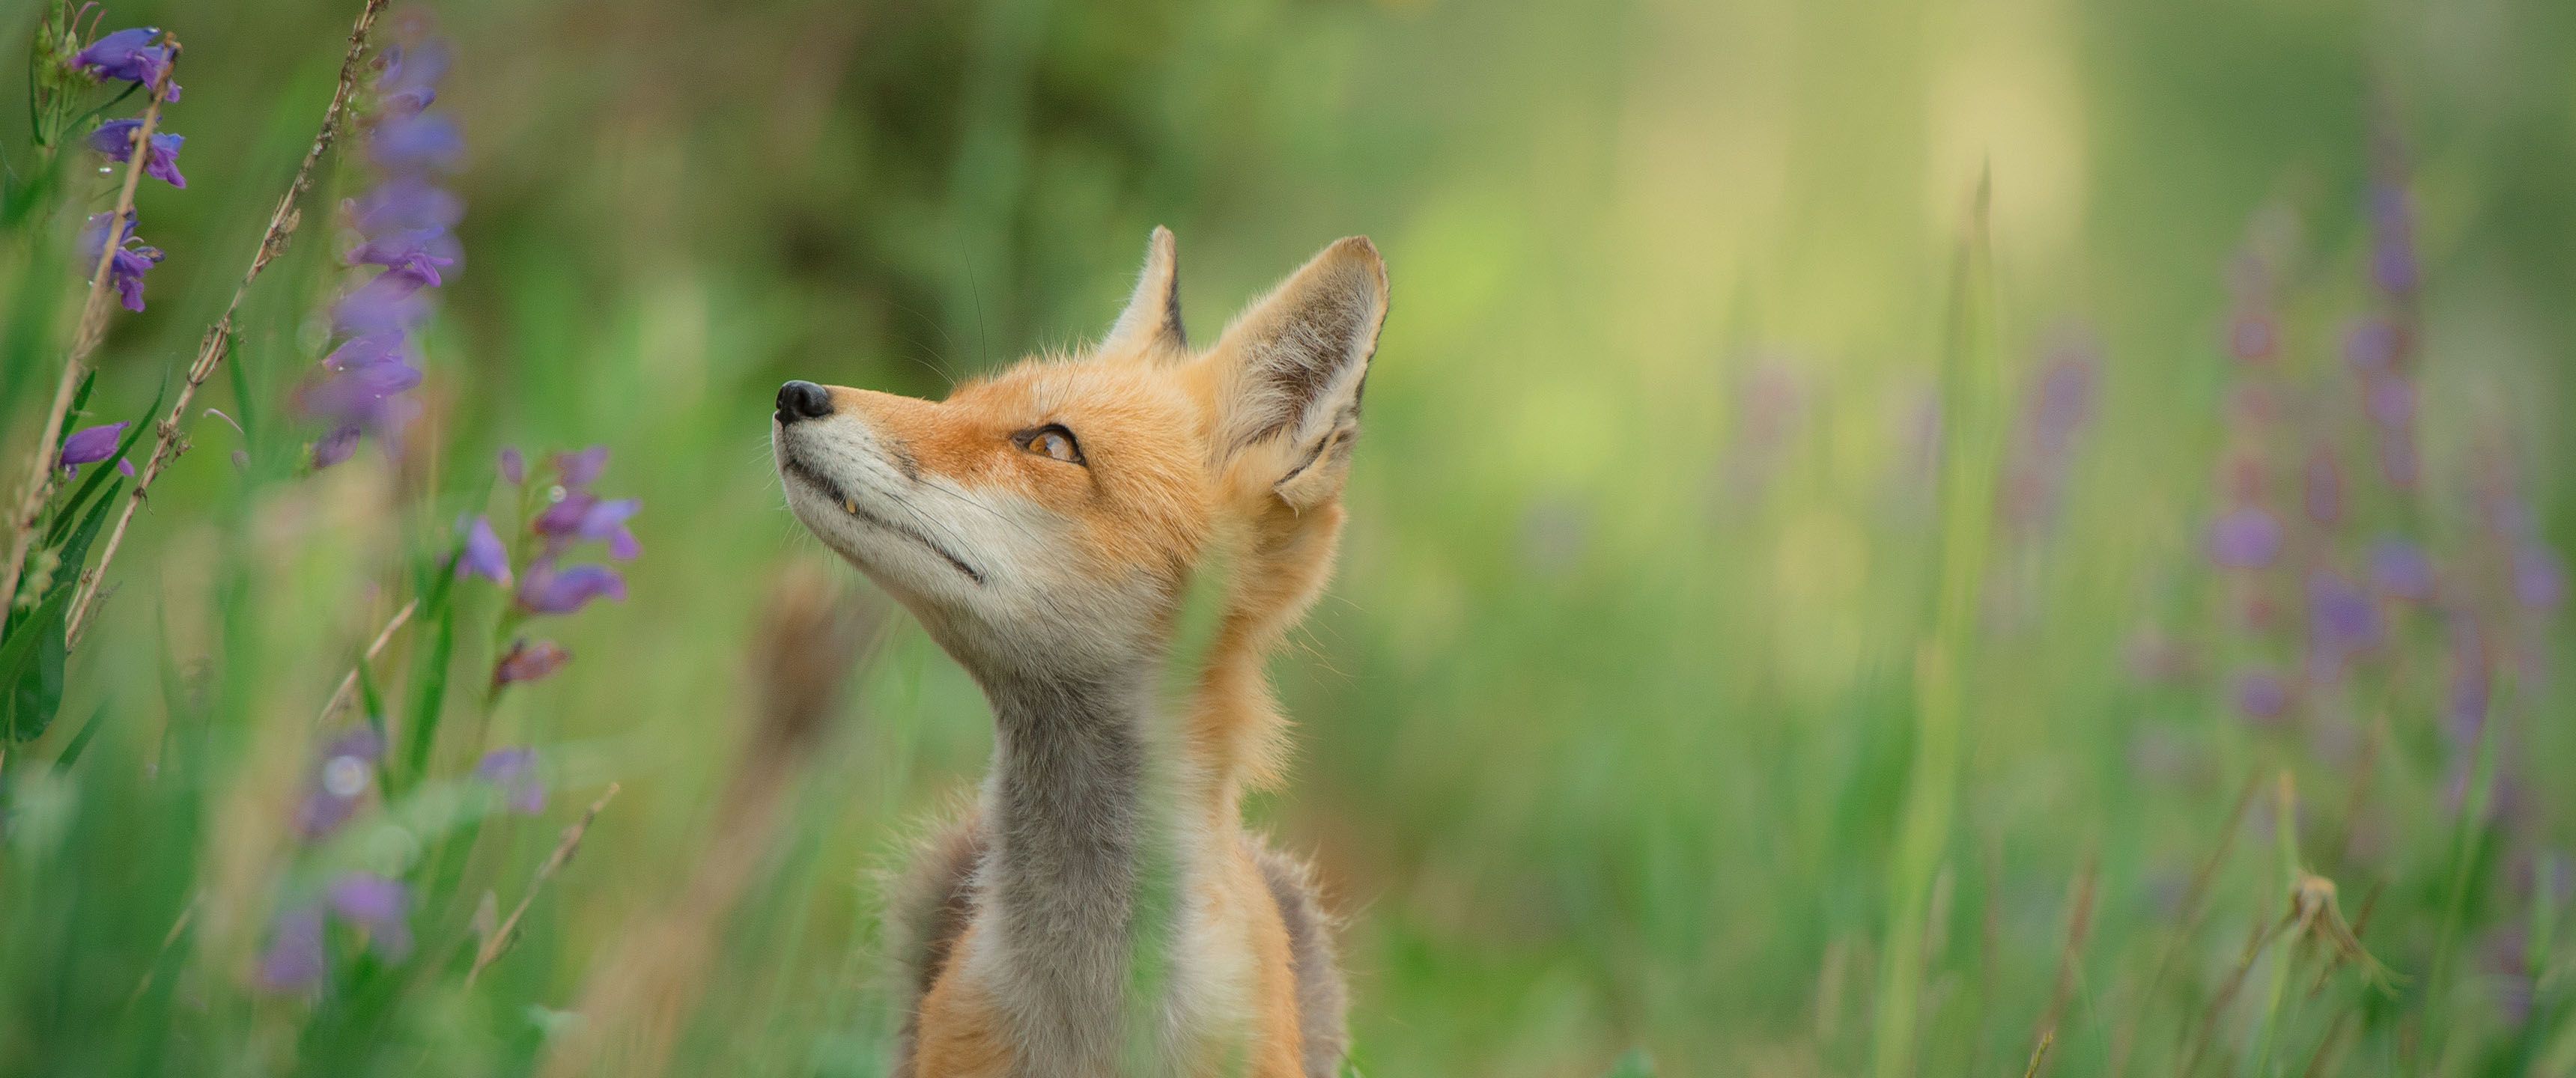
<point x="1969" y="538"/>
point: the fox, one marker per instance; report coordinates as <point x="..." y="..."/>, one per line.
<point x="1045" y="524"/>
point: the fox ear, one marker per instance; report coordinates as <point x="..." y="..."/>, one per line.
<point x="1152" y="320"/>
<point x="1292" y="370"/>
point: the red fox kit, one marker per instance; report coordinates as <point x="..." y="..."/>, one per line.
<point x="1044" y="524"/>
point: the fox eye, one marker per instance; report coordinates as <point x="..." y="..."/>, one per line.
<point x="1052" y="440"/>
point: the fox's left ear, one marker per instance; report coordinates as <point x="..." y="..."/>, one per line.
<point x="1291" y="370"/>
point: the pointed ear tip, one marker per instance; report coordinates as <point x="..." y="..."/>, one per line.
<point x="1358" y="249"/>
<point x="1161" y="238"/>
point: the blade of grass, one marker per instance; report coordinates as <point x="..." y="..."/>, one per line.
<point x="1972" y="392"/>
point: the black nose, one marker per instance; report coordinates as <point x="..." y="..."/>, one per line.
<point x="801" y="400"/>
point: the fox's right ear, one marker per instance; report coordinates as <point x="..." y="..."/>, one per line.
<point x="1152" y="321"/>
<point x="1290" y="373"/>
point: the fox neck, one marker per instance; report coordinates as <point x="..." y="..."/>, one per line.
<point x="1072" y="834"/>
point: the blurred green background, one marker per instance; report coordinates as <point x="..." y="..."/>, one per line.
<point x="1622" y="725"/>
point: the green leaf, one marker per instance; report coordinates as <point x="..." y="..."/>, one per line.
<point x="72" y="749"/>
<point x="423" y="727"/>
<point x="76" y="550"/>
<point x="19" y="654"/>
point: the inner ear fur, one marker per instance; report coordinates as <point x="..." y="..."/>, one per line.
<point x="1291" y="370"/>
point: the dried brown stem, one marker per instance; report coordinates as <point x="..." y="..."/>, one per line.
<point x="169" y="441"/>
<point x="2079" y="925"/>
<point x="349" y="684"/>
<point x="92" y="328"/>
<point x="501" y="938"/>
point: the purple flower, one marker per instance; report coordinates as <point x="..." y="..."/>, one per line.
<point x="2391" y="400"/>
<point x="294" y="959"/>
<point x="2324" y="488"/>
<point x="368" y="351"/>
<point x="529" y="661"/>
<point x="514" y="772"/>
<point x="2371" y="347"/>
<point x="404" y="204"/>
<point x="2539" y="578"/>
<point x="2400" y="570"/>
<point x="115" y="138"/>
<point x="2251" y="336"/>
<point x="585" y="516"/>
<point x="514" y="465"/>
<point x="483" y="556"/>
<point x="129" y="55"/>
<point x="338" y="782"/>
<point x="377" y="904"/>
<point x="2262" y="695"/>
<point x="89" y="445"/>
<point x="416" y="253"/>
<point x="2248" y="538"/>
<point x="548" y="590"/>
<point x="579" y="470"/>
<point x="337" y="446"/>
<point x="2340" y="615"/>
<point x="132" y="258"/>
<point x="409" y="81"/>
<point x="359" y="394"/>
<point x="390" y="304"/>
<point x="416" y="142"/>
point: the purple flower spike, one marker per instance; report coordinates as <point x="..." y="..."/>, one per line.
<point x="2248" y="538"/>
<point x="547" y="590"/>
<point x="514" y="771"/>
<point x="132" y="258"/>
<point x="90" y="445"/>
<point x="529" y="661"/>
<point x="2539" y="578"/>
<point x="2262" y="695"/>
<point x="484" y="556"/>
<point x="125" y="467"/>
<point x="115" y="139"/>
<point x="339" y="782"/>
<point x="514" y="465"/>
<point x="358" y="394"/>
<point x="129" y="55"/>
<point x="2400" y="570"/>
<point x="377" y="904"/>
<point x="294" y="959"/>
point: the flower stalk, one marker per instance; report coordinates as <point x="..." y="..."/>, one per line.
<point x="41" y="467"/>
<point x="170" y="437"/>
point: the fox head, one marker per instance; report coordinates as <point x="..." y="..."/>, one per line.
<point x="1045" y="521"/>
